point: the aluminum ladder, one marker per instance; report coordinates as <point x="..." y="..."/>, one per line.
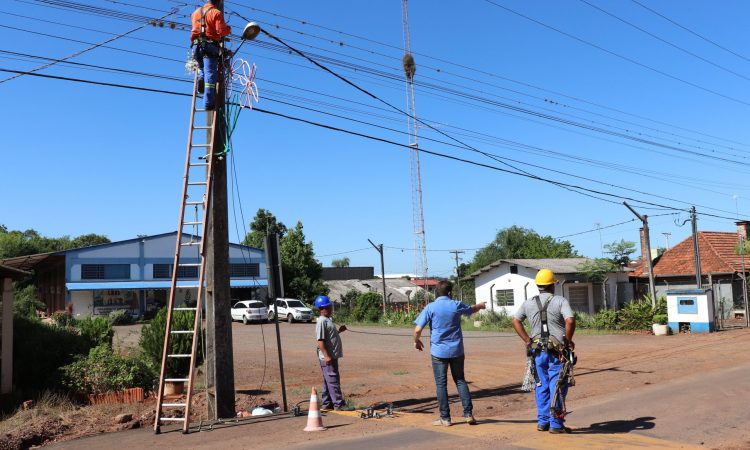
<point x="196" y="185"/>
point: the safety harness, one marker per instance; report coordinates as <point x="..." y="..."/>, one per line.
<point x="202" y="38"/>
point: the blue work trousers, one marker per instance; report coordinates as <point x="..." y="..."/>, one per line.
<point x="331" y="395"/>
<point x="548" y="368"/>
<point x="440" y="370"/>
<point x="207" y="57"/>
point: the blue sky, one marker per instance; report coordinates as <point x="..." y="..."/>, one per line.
<point x="90" y="159"/>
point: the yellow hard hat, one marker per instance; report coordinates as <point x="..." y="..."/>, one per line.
<point x="545" y="277"/>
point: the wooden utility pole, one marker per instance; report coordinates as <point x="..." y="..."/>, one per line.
<point x="219" y="360"/>
<point x="458" y="275"/>
<point x="379" y="248"/>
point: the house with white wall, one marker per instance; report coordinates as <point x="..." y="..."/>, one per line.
<point x="507" y="283"/>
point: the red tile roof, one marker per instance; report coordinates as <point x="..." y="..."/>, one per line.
<point x="717" y="250"/>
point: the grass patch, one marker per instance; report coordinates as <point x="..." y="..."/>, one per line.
<point x="400" y="372"/>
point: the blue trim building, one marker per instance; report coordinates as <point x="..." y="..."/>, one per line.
<point x="135" y="275"/>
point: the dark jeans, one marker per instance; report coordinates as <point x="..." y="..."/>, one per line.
<point x="440" y="370"/>
<point x="208" y="62"/>
<point x="331" y="394"/>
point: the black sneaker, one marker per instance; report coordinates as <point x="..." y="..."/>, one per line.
<point x="201" y="86"/>
<point x="345" y="408"/>
<point x="563" y="430"/>
<point x="326" y="408"/>
<point x="544" y="427"/>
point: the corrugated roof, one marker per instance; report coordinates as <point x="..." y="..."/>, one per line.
<point x="26" y="262"/>
<point x="12" y="272"/>
<point x="717" y="250"/>
<point x="556" y="265"/>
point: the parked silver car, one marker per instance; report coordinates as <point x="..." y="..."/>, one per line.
<point x="249" y="311"/>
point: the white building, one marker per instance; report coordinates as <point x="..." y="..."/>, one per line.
<point x="507" y="283"/>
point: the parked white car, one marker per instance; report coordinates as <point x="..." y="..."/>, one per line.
<point x="249" y="311"/>
<point x="292" y="310"/>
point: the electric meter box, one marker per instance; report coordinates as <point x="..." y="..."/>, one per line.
<point x="691" y="309"/>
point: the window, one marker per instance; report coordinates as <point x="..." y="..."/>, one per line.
<point x="504" y="297"/>
<point x="244" y="270"/>
<point x="105" y="271"/>
<point x="513" y="269"/>
<point x="164" y="271"/>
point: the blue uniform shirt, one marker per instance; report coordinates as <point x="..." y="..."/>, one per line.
<point x="444" y="317"/>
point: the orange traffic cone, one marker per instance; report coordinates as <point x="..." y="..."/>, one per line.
<point x="314" y="421"/>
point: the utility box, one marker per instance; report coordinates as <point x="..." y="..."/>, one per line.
<point x="691" y="310"/>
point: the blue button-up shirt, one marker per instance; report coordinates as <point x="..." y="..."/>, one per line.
<point x="444" y="317"/>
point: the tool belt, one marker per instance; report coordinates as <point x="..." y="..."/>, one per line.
<point x="550" y="344"/>
<point x="202" y="42"/>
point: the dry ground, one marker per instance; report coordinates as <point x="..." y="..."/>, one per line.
<point x="632" y="391"/>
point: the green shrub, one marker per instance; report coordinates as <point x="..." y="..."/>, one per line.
<point x="26" y="302"/>
<point x="499" y="319"/>
<point x="400" y="317"/>
<point x="96" y="330"/>
<point x="584" y="320"/>
<point x="39" y="350"/>
<point x="661" y="319"/>
<point x="368" y="307"/>
<point x="63" y="319"/>
<point x="152" y="342"/>
<point x="635" y="315"/>
<point x="105" y="371"/>
<point x="120" y="317"/>
<point x="606" y="319"/>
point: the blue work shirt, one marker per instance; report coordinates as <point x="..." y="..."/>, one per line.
<point x="444" y="317"/>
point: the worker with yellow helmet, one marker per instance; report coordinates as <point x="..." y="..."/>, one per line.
<point x="550" y="348"/>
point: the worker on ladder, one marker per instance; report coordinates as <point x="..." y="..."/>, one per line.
<point x="209" y="28"/>
<point x="550" y="346"/>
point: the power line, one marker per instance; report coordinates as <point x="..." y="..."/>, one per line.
<point x="475" y="69"/>
<point x="378" y="139"/>
<point x="660" y="39"/>
<point x="595" y="229"/>
<point x="493" y="103"/>
<point x="617" y="55"/>
<point x="690" y="31"/>
<point x="118" y="14"/>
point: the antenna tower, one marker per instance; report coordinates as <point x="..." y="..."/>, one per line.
<point x="420" y="245"/>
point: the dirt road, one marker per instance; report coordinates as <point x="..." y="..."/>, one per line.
<point x="632" y="391"/>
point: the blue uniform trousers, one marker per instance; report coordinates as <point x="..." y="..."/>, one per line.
<point x="207" y="57"/>
<point x="548" y="368"/>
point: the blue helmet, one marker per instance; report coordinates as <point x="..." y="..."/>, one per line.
<point x="322" y="301"/>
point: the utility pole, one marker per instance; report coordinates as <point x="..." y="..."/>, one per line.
<point x="666" y="239"/>
<point x="379" y="248"/>
<point x="458" y="275"/>
<point x="646" y="241"/>
<point x="219" y="360"/>
<point x="601" y="243"/>
<point x="743" y="242"/>
<point x="276" y="290"/>
<point x="696" y="249"/>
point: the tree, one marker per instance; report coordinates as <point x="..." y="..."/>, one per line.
<point x="87" y="240"/>
<point x="620" y="251"/>
<point x="301" y="269"/>
<point x="343" y="262"/>
<point x="517" y="242"/>
<point x="263" y="224"/>
<point x="596" y="270"/>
